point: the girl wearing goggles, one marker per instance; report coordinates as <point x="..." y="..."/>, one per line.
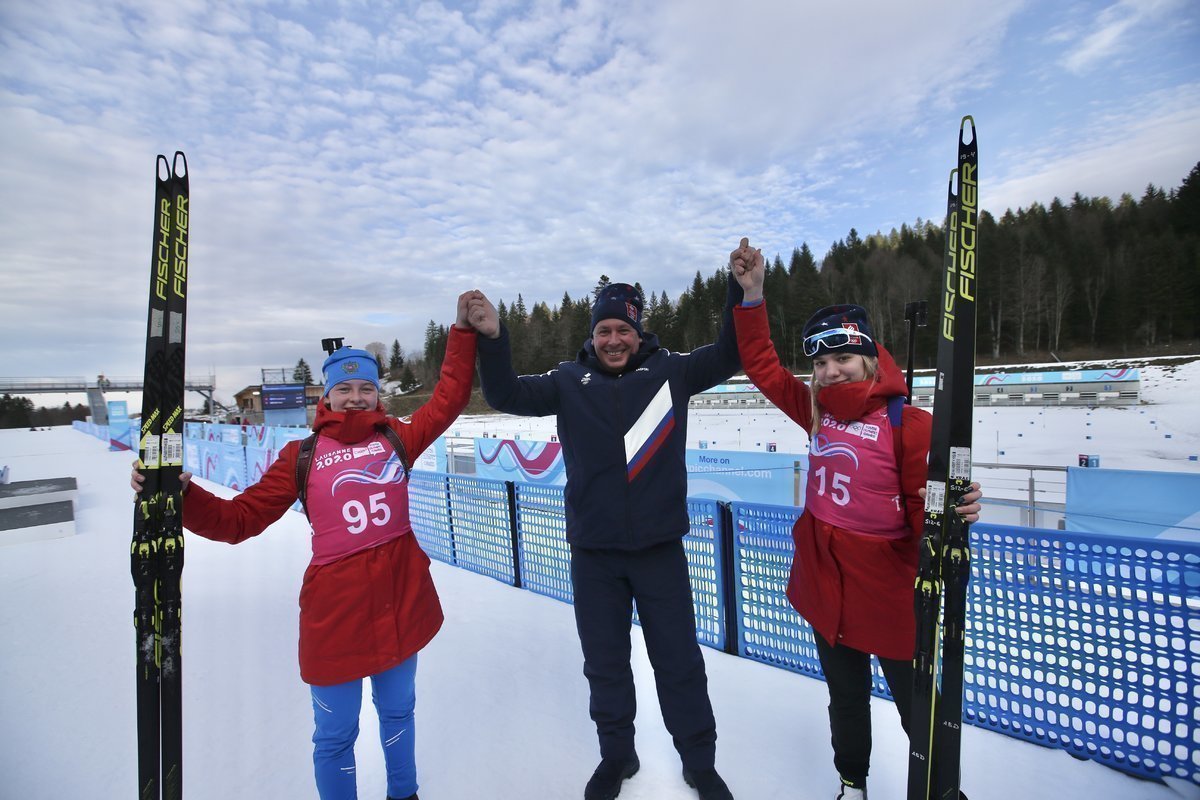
<point x="855" y="559"/>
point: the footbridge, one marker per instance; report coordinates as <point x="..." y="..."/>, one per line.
<point x="204" y="385"/>
<point x="95" y="388"/>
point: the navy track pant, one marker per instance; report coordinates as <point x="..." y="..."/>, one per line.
<point x="606" y="583"/>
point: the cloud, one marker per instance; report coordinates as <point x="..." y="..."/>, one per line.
<point x="1151" y="140"/>
<point x="1109" y="36"/>
<point x="354" y="169"/>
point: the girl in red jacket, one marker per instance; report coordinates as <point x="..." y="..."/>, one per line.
<point x="367" y="603"/>
<point x="855" y="561"/>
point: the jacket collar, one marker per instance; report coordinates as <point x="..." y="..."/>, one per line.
<point x="587" y="355"/>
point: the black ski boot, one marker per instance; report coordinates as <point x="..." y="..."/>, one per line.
<point x="605" y="783"/>
<point x="708" y="783"/>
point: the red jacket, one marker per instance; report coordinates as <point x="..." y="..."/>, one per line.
<point x="373" y="609"/>
<point x="854" y="589"/>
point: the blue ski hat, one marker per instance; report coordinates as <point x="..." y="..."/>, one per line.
<point x="618" y="301"/>
<point x="350" y="364"/>
<point x="839" y="329"/>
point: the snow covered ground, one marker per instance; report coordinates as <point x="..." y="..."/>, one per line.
<point x="503" y="703"/>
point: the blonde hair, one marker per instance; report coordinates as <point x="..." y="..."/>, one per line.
<point x="871" y="370"/>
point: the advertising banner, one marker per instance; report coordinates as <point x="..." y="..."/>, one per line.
<point x="1127" y="502"/>
<point x="520" y="461"/>
<point x="748" y="477"/>
<point x="120" y="434"/>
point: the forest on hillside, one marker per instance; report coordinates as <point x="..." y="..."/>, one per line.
<point x="1112" y="278"/>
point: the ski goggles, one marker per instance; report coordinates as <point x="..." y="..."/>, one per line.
<point x="833" y="339"/>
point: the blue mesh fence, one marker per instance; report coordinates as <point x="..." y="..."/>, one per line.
<point x="429" y="512"/>
<point x="546" y="558"/>
<point x="480" y="527"/>
<point x="544" y="553"/>
<point x="768" y="628"/>
<point x="703" y="547"/>
<point x="1087" y="642"/>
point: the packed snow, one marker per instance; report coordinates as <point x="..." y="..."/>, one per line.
<point x="502" y="710"/>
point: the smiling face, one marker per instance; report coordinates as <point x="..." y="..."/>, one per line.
<point x="615" y="341"/>
<point x="839" y="368"/>
<point x="353" y="395"/>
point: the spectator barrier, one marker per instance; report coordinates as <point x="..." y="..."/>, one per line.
<point x="1088" y="642"/>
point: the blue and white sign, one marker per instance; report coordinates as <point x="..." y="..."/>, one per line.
<point x="1154" y="505"/>
<point x="755" y="477"/>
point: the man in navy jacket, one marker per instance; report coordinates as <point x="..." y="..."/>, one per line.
<point x="621" y="407"/>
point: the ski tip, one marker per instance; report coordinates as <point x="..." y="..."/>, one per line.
<point x="162" y="168"/>
<point x="962" y="126"/>
<point x="179" y="156"/>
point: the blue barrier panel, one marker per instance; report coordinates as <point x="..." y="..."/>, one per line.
<point x="546" y="556"/>
<point x="768" y="628"/>
<point x="258" y="461"/>
<point x="210" y="461"/>
<point x="1088" y="642"/>
<point x="542" y="541"/>
<point x="481" y="529"/>
<point x="1134" y="502"/>
<point x="233" y="466"/>
<point x="429" y="513"/>
<point x="1082" y="641"/>
<point x="703" y="548"/>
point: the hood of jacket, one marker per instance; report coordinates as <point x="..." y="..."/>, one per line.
<point x="851" y="401"/>
<point x="348" y="427"/>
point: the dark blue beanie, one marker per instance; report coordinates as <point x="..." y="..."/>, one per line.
<point x="349" y="364"/>
<point x="840" y="326"/>
<point x="618" y="301"/>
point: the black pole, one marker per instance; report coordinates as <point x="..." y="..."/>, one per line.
<point x="511" y="490"/>
<point x="915" y="314"/>
<point x="723" y="531"/>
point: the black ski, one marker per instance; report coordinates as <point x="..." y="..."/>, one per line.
<point x="156" y="553"/>
<point x="935" y="724"/>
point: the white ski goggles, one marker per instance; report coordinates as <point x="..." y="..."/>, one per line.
<point x="833" y="339"/>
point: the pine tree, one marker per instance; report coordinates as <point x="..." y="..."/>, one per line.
<point x="407" y="379"/>
<point x="302" y="373"/>
<point x="396" y="362"/>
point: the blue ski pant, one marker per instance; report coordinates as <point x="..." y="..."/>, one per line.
<point x="335" y="712"/>
<point x="606" y="584"/>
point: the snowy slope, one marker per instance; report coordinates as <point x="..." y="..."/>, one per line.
<point x="503" y="702"/>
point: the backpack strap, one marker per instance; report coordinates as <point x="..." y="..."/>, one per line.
<point x="895" y="412"/>
<point x="305" y="458"/>
<point x="394" y="438"/>
<point x="303" y="468"/>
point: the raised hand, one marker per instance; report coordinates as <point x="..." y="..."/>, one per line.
<point x="482" y="315"/>
<point x="464" y="307"/>
<point x="748" y="269"/>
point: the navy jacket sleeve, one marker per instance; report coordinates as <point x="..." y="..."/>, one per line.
<point x="713" y="363"/>
<point x="526" y="396"/>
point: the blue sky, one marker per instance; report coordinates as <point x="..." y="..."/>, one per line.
<point x="356" y="165"/>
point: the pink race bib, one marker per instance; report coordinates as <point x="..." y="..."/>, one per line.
<point x="357" y="497"/>
<point x="853" y="479"/>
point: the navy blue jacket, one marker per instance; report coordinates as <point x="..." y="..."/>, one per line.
<point x="623" y="436"/>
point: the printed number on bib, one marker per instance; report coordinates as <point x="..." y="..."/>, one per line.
<point x="359" y="516"/>
<point x="839" y="487"/>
